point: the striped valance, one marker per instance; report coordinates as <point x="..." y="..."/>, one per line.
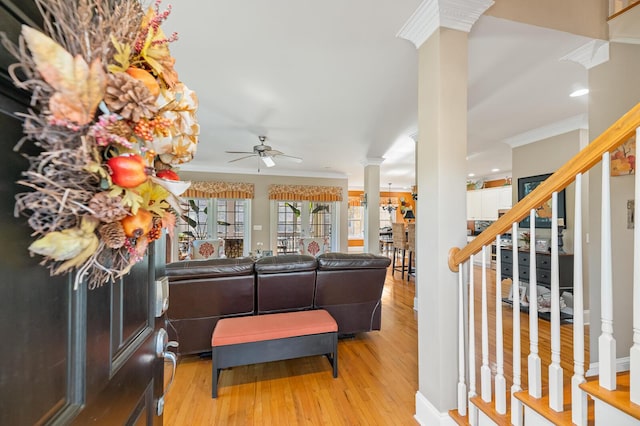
<point x="354" y="201"/>
<point x="219" y="190"/>
<point x="305" y="193"/>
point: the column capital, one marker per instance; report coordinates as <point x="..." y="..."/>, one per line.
<point x="431" y="14"/>
<point x="372" y="161"/>
<point x="589" y="54"/>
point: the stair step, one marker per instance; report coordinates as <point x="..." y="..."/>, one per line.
<point x="488" y="408"/>
<point x="460" y="420"/>
<point x="541" y="406"/>
<point x="619" y="398"/>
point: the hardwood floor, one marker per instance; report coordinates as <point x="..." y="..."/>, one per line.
<point x="376" y="384"/>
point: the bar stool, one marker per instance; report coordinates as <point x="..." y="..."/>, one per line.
<point x="400" y="244"/>
<point x="411" y="247"/>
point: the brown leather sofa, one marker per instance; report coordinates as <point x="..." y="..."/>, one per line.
<point x="349" y="286"/>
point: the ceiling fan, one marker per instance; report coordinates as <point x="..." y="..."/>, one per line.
<point x="264" y="153"/>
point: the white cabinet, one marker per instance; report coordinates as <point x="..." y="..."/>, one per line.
<point x="483" y="204"/>
<point x="504" y="197"/>
<point x="474" y="205"/>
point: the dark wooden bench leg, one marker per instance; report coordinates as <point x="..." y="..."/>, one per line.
<point x="335" y="355"/>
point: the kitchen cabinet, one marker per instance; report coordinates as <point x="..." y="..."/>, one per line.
<point x="483" y="204"/>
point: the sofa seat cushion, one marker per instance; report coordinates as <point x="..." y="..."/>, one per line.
<point x="286" y="263"/>
<point x="232" y="331"/>
<point x="341" y="261"/>
<point x="210" y="268"/>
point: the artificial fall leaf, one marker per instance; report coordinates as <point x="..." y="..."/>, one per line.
<point x="79" y="88"/>
<point x="169" y="222"/>
<point x="130" y="199"/>
<point x="153" y="197"/>
<point x="122" y="55"/>
<point x="156" y="52"/>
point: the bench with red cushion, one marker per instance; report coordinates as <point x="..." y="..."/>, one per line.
<point x="272" y="337"/>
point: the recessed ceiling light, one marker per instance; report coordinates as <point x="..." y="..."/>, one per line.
<point x="579" y="92"/>
<point x="495" y="170"/>
<point x="471" y="174"/>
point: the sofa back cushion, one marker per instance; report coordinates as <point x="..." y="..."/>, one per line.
<point x="285" y="283"/>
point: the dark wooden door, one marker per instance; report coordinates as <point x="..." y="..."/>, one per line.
<point x="68" y="357"/>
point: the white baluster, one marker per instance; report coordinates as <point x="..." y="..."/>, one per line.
<point x="556" y="396"/>
<point x="473" y="411"/>
<point x="606" y="341"/>
<point x="462" y="387"/>
<point x="516" y="405"/>
<point x="578" y="397"/>
<point x="635" y="349"/>
<point x="485" y="371"/>
<point x="533" y="361"/>
<point x="500" y="382"/>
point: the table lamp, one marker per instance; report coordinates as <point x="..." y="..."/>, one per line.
<point x="408" y="215"/>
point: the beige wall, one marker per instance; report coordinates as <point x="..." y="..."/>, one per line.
<point x="582" y="17"/>
<point x="261" y="207"/>
<point x="613" y="92"/>
<point x="542" y="157"/>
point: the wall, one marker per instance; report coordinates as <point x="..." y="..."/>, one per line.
<point x="583" y="17"/>
<point x="542" y="157"/>
<point x="613" y="92"/>
<point x="261" y="206"/>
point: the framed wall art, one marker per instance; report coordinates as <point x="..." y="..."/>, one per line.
<point x="543" y="213"/>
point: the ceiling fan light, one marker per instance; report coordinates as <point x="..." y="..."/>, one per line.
<point x="267" y="160"/>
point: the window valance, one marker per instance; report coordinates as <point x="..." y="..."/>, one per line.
<point x="219" y="190"/>
<point x="305" y="193"/>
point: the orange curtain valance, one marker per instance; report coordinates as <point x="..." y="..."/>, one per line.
<point x="305" y="193"/>
<point x="354" y="201"/>
<point x="219" y="190"/>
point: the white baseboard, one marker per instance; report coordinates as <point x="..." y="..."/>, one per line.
<point x="622" y="364"/>
<point x="428" y="415"/>
<point x="415" y="304"/>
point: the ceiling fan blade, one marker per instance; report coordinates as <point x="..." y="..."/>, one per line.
<point x="273" y="152"/>
<point x="241" y="158"/>
<point x="291" y="157"/>
<point x="239" y="152"/>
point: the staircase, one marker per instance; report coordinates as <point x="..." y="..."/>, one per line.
<point x="550" y="394"/>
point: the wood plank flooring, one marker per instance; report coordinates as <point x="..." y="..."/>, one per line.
<point x="376" y="385"/>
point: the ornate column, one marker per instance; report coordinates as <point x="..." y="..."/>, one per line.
<point x="439" y="30"/>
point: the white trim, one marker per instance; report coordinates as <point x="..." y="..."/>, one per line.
<point x="194" y="166"/>
<point x="590" y="54"/>
<point x="415" y="304"/>
<point x="431" y="14"/>
<point x="622" y="364"/>
<point x="587" y="317"/>
<point x="372" y="161"/>
<point x="428" y="415"/>
<point x="576" y="122"/>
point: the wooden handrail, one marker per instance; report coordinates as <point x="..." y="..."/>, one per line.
<point x="609" y="140"/>
<point x="623" y="10"/>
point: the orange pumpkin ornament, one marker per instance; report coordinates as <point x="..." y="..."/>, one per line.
<point x="146" y="78"/>
<point x="137" y="225"/>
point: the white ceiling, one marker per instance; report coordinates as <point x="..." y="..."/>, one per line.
<point x="330" y="82"/>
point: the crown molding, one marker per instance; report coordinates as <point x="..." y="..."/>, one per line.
<point x="431" y="14"/>
<point x="204" y="168"/>
<point x="589" y="55"/>
<point x="372" y="161"/>
<point x="576" y="122"/>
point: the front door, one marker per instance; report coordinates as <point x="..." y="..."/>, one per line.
<point x="69" y="356"/>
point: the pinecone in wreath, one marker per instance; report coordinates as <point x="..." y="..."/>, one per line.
<point x="129" y="97"/>
<point x="112" y="234"/>
<point x="106" y="208"/>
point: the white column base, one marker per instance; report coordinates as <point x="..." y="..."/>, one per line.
<point x="634" y="380"/>
<point x="517" y="414"/>
<point x="428" y="415"/>
<point x="501" y="395"/>
<point x="578" y="402"/>
<point x="535" y="376"/>
<point x="485" y="383"/>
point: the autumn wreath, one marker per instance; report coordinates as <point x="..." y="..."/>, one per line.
<point x="109" y="119"/>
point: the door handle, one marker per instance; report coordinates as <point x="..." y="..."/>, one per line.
<point x="162" y="346"/>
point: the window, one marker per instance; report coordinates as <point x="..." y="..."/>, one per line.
<point x="230" y="224"/>
<point x="296" y="219"/>
<point x="356" y="222"/>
